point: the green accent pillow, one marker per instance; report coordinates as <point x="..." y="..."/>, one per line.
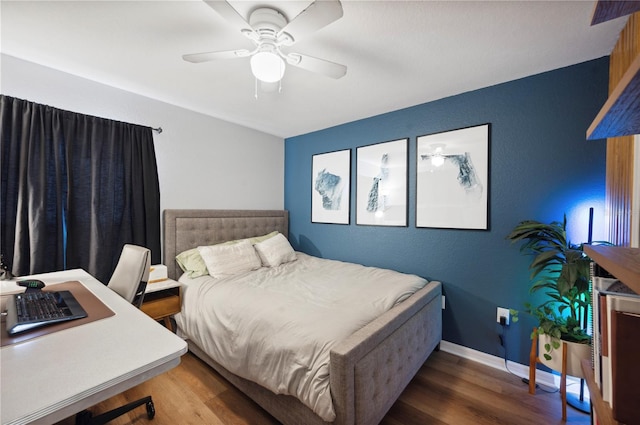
<point x="192" y="263"/>
<point x="258" y="239"/>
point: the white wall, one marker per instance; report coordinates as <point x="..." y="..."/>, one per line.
<point x="203" y="162"/>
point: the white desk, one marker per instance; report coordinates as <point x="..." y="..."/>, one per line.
<point x="76" y="368"/>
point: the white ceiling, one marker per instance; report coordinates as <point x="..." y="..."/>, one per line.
<point x="398" y="53"/>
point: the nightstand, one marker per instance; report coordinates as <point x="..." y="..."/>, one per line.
<point x="162" y="300"/>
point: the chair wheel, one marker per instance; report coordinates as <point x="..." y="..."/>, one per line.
<point x="151" y="410"/>
<point x="83" y="417"/>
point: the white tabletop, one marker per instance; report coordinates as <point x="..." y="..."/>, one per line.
<point x="51" y="377"/>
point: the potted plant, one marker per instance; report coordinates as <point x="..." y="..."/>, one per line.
<point x="561" y="269"/>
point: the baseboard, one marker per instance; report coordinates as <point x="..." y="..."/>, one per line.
<point x="542" y="378"/>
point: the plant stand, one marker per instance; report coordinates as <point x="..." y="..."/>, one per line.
<point x="564" y="370"/>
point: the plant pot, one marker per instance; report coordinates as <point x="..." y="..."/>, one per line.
<point x="575" y="353"/>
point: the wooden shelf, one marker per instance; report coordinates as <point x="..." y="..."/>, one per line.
<point x="605" y="10"/>
<point x="620" y="115"/>
<point x="602" y="408"/>
<point x="622" y="262"/>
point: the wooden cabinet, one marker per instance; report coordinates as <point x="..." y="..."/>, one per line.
<point x="162" y="300"/>
<point x="601" y="407"/>
<point x="624" y="264"/>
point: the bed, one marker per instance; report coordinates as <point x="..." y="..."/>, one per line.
<point x="368" y="370"/>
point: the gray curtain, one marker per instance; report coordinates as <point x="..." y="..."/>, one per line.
<point x="75" y="189"/>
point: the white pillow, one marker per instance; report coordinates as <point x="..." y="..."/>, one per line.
<point x="229" y="260"/>
<point x="190" y="261"/>
<point x="275" y="251"/>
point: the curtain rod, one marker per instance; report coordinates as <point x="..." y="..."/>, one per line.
<point x="159" y="129"/>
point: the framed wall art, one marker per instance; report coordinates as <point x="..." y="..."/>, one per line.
<point x="330" y="187"/>
<point x="452" y="179"/>
<point x="381" y="184"/>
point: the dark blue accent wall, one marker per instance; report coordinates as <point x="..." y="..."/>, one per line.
<point x="540" y="167"/>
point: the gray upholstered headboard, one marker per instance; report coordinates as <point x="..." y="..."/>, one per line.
<point x="186" y="229"/>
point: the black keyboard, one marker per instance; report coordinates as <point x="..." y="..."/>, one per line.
<point x="40" y="306"/>
<point x="33" y="309"/>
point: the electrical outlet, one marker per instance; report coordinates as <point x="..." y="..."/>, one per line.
<point x="503" y="312"/>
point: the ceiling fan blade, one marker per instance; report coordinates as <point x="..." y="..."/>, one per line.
<point x="317" y="15"/>
<point x="209" y="56"/>
<point x="319" y="66"/>
<point x="227" y="11"/>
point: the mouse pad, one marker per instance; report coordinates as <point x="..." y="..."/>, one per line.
<point x="95" y="309"/>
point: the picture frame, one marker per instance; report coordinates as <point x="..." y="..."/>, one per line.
<point x="381" y="183"/>
<point x="452" y="179"/>
<point x="331" y="187"/>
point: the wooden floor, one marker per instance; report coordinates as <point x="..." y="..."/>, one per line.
<point x="447" y="390"/>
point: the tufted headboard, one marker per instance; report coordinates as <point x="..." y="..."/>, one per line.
<point x="186" y="229"/>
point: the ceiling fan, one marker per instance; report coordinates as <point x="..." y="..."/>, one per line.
<point x="269" y="30"/>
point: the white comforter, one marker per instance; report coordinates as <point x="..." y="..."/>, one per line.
<point x="276" y="326"/>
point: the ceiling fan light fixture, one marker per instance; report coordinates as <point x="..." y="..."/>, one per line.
<point x="268" y="29"/>
<point x="267" y="66"/>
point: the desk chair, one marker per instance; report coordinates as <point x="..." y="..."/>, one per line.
<point x="129" y="280"/>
